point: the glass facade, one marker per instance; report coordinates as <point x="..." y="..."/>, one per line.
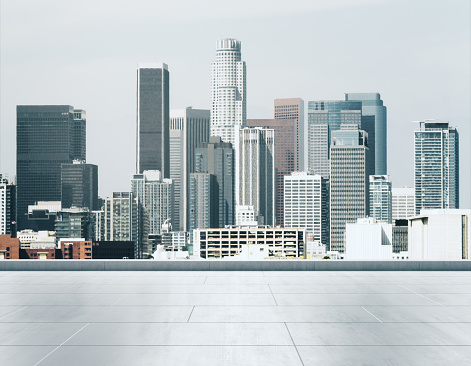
<point x="79" y="185"/>
<point x="47" y="136"/>
<point x="381" y="198"/>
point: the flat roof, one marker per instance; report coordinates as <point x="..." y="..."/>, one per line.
<point x="235" y="317"/>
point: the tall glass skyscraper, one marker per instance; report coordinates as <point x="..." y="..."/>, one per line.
<point x="381" y="198"/>
<point x="153" y="119"/>
<point x="228" y="90"/>
<point x="79" y="183"/>
<point x="46" y="137"/>
<point x="372" y="105"/>
<point x="436" y="166"/>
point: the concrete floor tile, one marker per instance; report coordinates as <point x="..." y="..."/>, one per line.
<point x="36" y="334"/>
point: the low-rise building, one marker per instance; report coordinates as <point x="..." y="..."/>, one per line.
<point x="229" y="241"/>
<point x="368" y="239"/>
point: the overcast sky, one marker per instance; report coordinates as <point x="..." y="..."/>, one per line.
<point x="84" y="53"/>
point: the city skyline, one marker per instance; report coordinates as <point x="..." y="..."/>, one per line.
<point x="404" y="88"/>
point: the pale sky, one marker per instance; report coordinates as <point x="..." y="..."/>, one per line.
<point x="85" y="53"/>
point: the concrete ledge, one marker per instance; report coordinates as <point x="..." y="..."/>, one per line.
<point x="227" y="265"/>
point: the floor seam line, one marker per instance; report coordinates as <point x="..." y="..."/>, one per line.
<point x="60" y="345"/>
<point x="273" y="295"/>
<point x="425" y="297"/>
<point x="13" y="312"/>
<point x="294" y="344"/>
<point x="191" y="313"/>
<point x="374" y="316"/>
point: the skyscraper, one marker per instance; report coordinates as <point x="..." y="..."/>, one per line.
<point x="286" y="150"/>
<point x="155" y="195"/>
<point x="380" y="198"/>
<point x="372" y="105"/>
<point x="255" y="171"/>
<point x="293" y="108"/>
<point x="188" y="129"/>
<point x="306" y="204"/>
<point x="79" y="185"/>
<point x="350" y="168"/>
<point x="7" y="207"/>
<point x="436" y="166"/>
<point x="403" y="203"/>
<point x="217" y="158"/>
<point x="47" y="136"/>
<point x="228" y="90"/>
<point x="203" y="207"/>
<point x="152" y="135"/>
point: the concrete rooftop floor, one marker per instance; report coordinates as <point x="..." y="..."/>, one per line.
<point x="235" y="318"/>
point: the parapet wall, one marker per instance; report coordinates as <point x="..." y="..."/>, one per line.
<point x="227" y="265"/>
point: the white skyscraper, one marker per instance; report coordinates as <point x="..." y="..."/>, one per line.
<point x="380" y="198"/>
<point x="306" y="204"/>
<point x="228" y="90"/>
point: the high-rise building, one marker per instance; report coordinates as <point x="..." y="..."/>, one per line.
<point x="255" y="171"/>
<point x="293" y="108"/>
<point x="306" y="204"/>
<point x="188" y="129"/>
<point x="73" y="223"/>
<point x="203" y="209"/>
<point x="217" y="158"/>
<point x="372" y="105"/>
<point x="155" y="195"/>
<point x="79" y="185"/>
<point x="122" y="220"/>
<point x="403" y="203"/>
<point x="7" y="207"/>
<point x="436" y="166"/>
<point x="286" y="151"/>
<point x="153" y="119"/>
<point x="350" y="168"/>
<point x="380" y="198"/>
<point x="46" y="137"/>
<point x="228" y="90"/>
<point x="324" y="118"/>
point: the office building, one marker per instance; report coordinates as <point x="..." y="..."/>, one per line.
<point x="368" y="239"/>
<point x="380" y="198"/>
<point x="440" y="235"/>
<point x="293" y="109"/>
<point x="436" y="168"/>
<point x="372" y="105"/>
<point x="79" y="185"/>
<point x="230" y="241"/>
<point x="73" y="223"/>
<point x="155" y="195"/>
<point x="403" y="203"/>
<point x="122" y="221"/>
<point x="153" y="119"/>
<point x="306" y="204"/>
<point x="246" y="216"/>
<point x="7" y="207"/>
<point x="228" y="90"/>
<point x="47" y="136"/>
<point x="36" y="239"/>
<point x="203" y="208"/>
<point x="286" y="152"/>
<point x="188" y="129"/>
<point x="217" y="158"/>
<point x="350" y="168"/>
<point x="255" y="171"/>
<point x="400" y="236"/>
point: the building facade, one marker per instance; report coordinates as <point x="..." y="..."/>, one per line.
<point x="46" y="137"/>
<point x="188" y="129"/>
<point x="228" y="90"/>
<point x="286" y="151"/>
<point x="306" y="205"/>
<point x="372" y="105"/>
<point x="229" y="242"/>
<point x="381" y="198"/>
<point x="73" y="223"/>
<point x="203" y="208"/>
<point x="403" y="203"/>
<point x="293" y="109"/>
<point x="368" y="239"/>
<point x="153" y="119"/>
<point x="79" y="185"/>
<point x="255" y="172"/>
<point x="7" y="207"/>
<point x="436" y="166"/>
<point x="217" y="158"/>
<point x="350" y="169"/>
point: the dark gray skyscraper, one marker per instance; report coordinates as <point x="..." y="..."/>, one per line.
<point x="153" y="119"/>
<point x="79" y="182"/>
<point x="372" y="105"/>
<point x="46" y="137"/>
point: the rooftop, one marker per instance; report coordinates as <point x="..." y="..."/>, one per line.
<point x="235" y="317"/>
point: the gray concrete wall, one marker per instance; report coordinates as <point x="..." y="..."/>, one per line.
<point x="218" y="265"/>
